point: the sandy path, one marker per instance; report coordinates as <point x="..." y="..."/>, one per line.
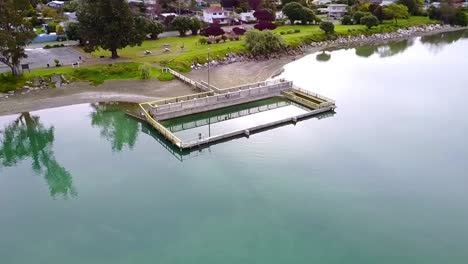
<point x="81" y="92"/>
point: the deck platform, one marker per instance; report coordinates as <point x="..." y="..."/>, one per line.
<point x="212" y="98"/>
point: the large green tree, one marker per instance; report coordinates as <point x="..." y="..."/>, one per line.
<point x="414" y="6"/>
<point x="15" y="33"/>
<point x="109" y="24"/>
<point x="294" y="11"/>
<point x="396" y="11"/>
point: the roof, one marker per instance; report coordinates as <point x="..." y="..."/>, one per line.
<point x="214" y="9"/>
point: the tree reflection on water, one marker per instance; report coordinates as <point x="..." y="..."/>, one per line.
<point x="115" y="126"/>
<point x="26" y="137"/>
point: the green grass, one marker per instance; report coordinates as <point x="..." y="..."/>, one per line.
<point x="95" y="74"/>
<point x="193" y="51"/>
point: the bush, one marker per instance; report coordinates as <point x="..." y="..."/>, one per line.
<point x="297" y="31"/>
<point x="327" y="27"/>
<point x="59" y="30"/>
<point x="358" y="15"/>
<point x="460" y="18"/>
<point x="224" y="38"/>
<point x="346" y="20"/>
<point x="290" y="31"/>
<point x="264" y="42"/>
<point x="47" y="46"/>
<point x="212" y="30"/>
<point x="145" y="71"/>
<point x="283" y="33"/>
<point x="263" y="25"/>
<point x="51" y="27"/>
<point x="202" y="41"/>
<point x="370" y="21"/>
<point x="238" y="31"/>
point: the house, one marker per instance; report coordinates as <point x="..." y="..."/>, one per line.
<point x="247" y="16"/>
<point x="336" y="10"/>
<point x="56" y="4"/>
<point x="279" y="15"/>
<point x="322" y="2"/>
<point x="217" y="15"/>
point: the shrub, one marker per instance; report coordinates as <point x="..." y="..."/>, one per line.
<point x="47" y="46"/>
<point x="59" y="30"/>
<point x="145" y="71"/>
<point x="238" y="31"/>
<point x="224" y="38"/>
<point x="297" y="31"/>
<point x="51" y="27"/>
<point x="283" y="33"/>
<point x="263" y="25"/>
<point x="290" y="31"/>
<point x="264" y="42"/>
<point x="460" y="18"/>
<point x="370" y="21"/>
<point x="212" y="30"/>
<point x="327" y="27"/>
<point x="57" y="62"/>
<point x="346" y="20"/>
<point x="358" y="15"/>
<point x="202" y="41"/>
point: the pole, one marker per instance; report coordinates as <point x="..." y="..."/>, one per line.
<point x="209" y="67"/>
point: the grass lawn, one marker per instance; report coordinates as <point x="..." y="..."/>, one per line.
<point x="95" y="74"/>
<point x="193" y="51"/>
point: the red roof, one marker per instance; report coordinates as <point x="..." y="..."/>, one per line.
<point x="214" y="9"/>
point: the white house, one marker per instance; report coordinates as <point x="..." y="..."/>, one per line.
<point x="56" y="4"/>
<point x="217" y="15"/>
<point x="336" y="10"/>
<point x="322" y="2"/>
<point x="247" y="16"/>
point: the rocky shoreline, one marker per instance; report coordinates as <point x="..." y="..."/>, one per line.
<point x="358" y="40"/>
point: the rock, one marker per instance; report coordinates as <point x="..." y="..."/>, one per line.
<point x="37" y="82"/>
<point x="56" y="78"/>
<point x="11" y="92"/>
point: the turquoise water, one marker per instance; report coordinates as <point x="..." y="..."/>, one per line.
<point x="384" y="180"/>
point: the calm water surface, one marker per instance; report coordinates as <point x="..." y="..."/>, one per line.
<point x="384" y="180"/>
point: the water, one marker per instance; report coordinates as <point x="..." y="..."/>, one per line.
<point x="382" y="181"/>
<point x="228" y="119"/>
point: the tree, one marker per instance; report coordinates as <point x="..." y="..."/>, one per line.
<point x="307" y="15"/>
<point x="396" y="11"/>
<point x="377" y="11"/>
<point x="327" y="27"/>
<point x="414" y="6"/>
<point x="15" y="34"/>
<point x="73" y="31"/>
<point x="263" y="25"/>
<point x="238" y="31"/>
<point x="447" y="12"/>
<point x="196" y="26"/>
<point x="255" y="4"/>
<point x="110" y="25"/>
<point x="293" y="11"/>
<point x="460" y="18"/>
<point x="264" y="15"/>
<point x="154" y="28"/>
<point x="346" y="20"/>
<point x="370" y="21"/>
<point x="264" y="42"/>
<point x="182" y="24"/>
<point x="358" y="15"/>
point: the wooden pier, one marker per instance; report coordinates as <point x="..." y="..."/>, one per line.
<point x="212" y="98"/>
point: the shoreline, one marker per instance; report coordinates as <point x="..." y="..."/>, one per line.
<point x="137" y="91"/>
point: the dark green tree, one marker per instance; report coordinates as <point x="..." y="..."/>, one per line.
<point x="370" y="21"/>
<point x="15" y="34"/>
<point x="327" y="27"/>
<point x="414" y="6"/>
<point x="293" y="11"/>
<point x="358" y="15"/>
<point x="26" y="137"/>
<point x="108" y="24"/>
<point x="182" y="24"/>
<point x="196" y="26"/>
<point x="264" y="42"/>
